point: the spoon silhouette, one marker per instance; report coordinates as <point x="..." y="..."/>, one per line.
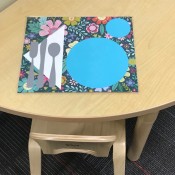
<point x="54" y="50"/>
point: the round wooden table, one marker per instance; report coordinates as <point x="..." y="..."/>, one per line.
<point x="154" y="35"/>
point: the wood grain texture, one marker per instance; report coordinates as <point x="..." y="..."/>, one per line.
<point x="154" y="23"/>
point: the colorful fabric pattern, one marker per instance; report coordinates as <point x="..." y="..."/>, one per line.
<point x="77" y="29"/>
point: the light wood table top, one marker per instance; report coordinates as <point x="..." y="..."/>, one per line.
<point x="154" y="24"/>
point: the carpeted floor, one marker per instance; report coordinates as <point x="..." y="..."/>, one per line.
<point x="158" y="156"/>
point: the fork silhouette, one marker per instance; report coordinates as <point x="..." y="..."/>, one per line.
<point x="33" y="54"/>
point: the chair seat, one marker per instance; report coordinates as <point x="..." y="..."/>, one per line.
<point x="72" y="138"/>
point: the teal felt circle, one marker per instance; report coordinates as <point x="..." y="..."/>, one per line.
<point x="97" y="62"/>
<point x="118" y="27"/>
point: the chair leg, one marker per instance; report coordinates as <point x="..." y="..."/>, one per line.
<point x="34" y="157"/>
<point x="141" y="133"/>
<point x="119" y="149"/>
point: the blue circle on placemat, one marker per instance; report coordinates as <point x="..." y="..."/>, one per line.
<point x="97" y="62"/>
<point x="118" y="27"/>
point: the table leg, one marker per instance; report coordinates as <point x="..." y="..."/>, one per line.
<point x="119" y="149"/>
<point x="141" y="133"/>
<point x="34" y="157"/>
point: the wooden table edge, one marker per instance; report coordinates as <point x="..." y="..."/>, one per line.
<point x="86" y="118"/>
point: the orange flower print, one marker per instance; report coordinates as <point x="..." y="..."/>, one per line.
<point x="63" y="81"/>
<point x="101" y="20"/>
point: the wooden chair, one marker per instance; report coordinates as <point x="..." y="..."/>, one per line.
<point x="5" y="4"/>
<point x="91" y="138"/>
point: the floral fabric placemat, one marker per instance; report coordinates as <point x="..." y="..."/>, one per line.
<point x="78" y="54"/>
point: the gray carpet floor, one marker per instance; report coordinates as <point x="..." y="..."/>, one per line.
<point x="158" y="157"/>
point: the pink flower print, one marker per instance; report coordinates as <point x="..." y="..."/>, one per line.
<point x="134" y="90"/>
<point x="22" y="74"/>
<point x="130" y="35"/>
<point x="26" y="40"/>
<point x="132" y="70"/>
<point x="45" y="79"/>
<point x="108" y="36"/>
<point x="89" y="18"/>
<point x="92" y="28"/>
<point x="50" y="28"/>
<point x="62" y="88"/>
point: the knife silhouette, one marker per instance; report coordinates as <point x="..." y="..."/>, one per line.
<point x="43" y="46"/>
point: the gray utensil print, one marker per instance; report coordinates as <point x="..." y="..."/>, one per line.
<point x="33" y="53"/>
<point x="54" y="50"/>
<point x="40" y="81"/>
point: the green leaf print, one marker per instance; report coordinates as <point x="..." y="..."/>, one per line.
<point x="114" y="87"/>
<point x="120" y="88"/>
<point x="64" y="66"/>
<point x="42" y="20"/>
<point x="34" y="27"/>
<point x="102" y="30"/>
